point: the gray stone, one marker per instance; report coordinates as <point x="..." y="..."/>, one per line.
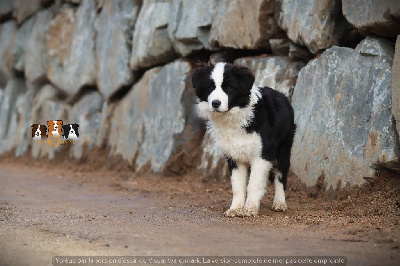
<point x="107" y="113"/>
<point x="113" y="45"/>
<point x="212" y="163"/>
<point x="21" y="41"/>
<point x="5" y="10"/>
<point x="87" y="114"/>
<point x="70" y="48"/>
<point x="35" y="48"/>
<point x="342" y="105"/>
<point x="243" y="24"/>
<point x="23" y="134"/>
<point x="148" y="121"/>
<point x="277" y="72"/>
<point x="13" y="98"/>
<point x="47" y="106"/>
<point x="396" y="86"/>
<point x="7" y="41"/>
<point x="190" y="23"/>
<point x="380" y="18"/>
<point x="151" y="44"/>
<point x="299" y="53"/>
<point x="280" y="46"/>
<point x="23" y="9"/>
<point x="317" y="24"/>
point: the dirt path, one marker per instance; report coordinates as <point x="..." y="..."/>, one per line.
<point x="48" y="212"/>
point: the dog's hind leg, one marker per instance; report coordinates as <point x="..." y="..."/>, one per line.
<point x="279" y="203"/>
<point x="280" y="180"/>
<point x="238" y="179"/>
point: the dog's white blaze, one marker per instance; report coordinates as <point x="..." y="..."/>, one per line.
<point x="55" y="132"/>
<point x="279" y="203"/>
<point x="217" y="75"/>
<point x="238" y="179"/>
<point x="38" y="134"/>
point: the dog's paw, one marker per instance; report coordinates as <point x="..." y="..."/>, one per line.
<point x="250" y="211"/>
<point x="234" y="213"/>
<point x="279" y="206"/>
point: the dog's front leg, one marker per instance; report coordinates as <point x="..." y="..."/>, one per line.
<point x="255" y="190"/>
<point x="238" y="180"/>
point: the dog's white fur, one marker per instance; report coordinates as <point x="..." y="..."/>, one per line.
<point x="38" y="134"/>
<point x="55" y="132"/>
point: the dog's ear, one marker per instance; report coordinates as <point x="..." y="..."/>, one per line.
<point x="34" y="128"/>
<point x="244" y="77"/>
<point x="201" y="75"/>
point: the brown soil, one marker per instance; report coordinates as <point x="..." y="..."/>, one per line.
<point x="104" y="208"/>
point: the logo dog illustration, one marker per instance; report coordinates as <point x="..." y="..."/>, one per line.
<point x="70" y="132"/>
<point x="39" y="132"/>
<point x="55" y="128"/>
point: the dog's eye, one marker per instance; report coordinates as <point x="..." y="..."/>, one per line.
<point x="229" y="88"/>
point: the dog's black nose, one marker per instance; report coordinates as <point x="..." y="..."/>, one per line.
<point x="216" y="103"/>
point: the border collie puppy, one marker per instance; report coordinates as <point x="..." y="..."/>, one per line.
<point x="70" y="132"/>
<point x="253" y="127"/>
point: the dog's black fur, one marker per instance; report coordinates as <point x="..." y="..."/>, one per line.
<point x="273" y="116"/>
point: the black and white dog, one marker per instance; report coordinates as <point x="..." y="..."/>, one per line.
<point x="254" y="128"/>
<point x="70" y="132"/>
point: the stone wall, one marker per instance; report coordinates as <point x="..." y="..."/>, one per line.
<point x="121" y="70"/>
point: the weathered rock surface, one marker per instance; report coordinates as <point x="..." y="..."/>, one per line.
<point x="396" y="86"/>
<point x="148" y="120"/>
<point x="212" y="161"/>
<point x="23" y="9"/>
<point x="13" y="99"/>
<point x="5" y="10"/>
<point x="8" y="32"/>
<point x="317" y="24"/>
<point x="243" y="24"/>
<point x="277" y="72"/>
<point x="35" y="48"/>
<point x="151" y="44"/>
<point x="114" y="43"/>
<point x="87" y="114"/>
<point x="342" y="104"/>
<point x="280" y="46"/>
<point x="70" y="46"/>
<point x="190" y="23"/>
<point x="23" y="138"/>
<point x="22" y="37"/>
<point x="381" y="18"/>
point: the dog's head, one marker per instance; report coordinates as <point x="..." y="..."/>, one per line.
<point x="223" y="86"/>
<point x="36" y="131"/>
<point x="55" y="127"/>
<point x="71" y="131"/>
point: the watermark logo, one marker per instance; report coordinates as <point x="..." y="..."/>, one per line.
<point x="56" y="133"/>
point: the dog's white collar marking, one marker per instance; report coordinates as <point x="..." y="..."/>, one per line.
<point x="227" y="129"/>
<point x="255" y="95"/>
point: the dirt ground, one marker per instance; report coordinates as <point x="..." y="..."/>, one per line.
<point x="58" y="209"/>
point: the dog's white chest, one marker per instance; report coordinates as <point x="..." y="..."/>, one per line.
<point x="236" y="143"/>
